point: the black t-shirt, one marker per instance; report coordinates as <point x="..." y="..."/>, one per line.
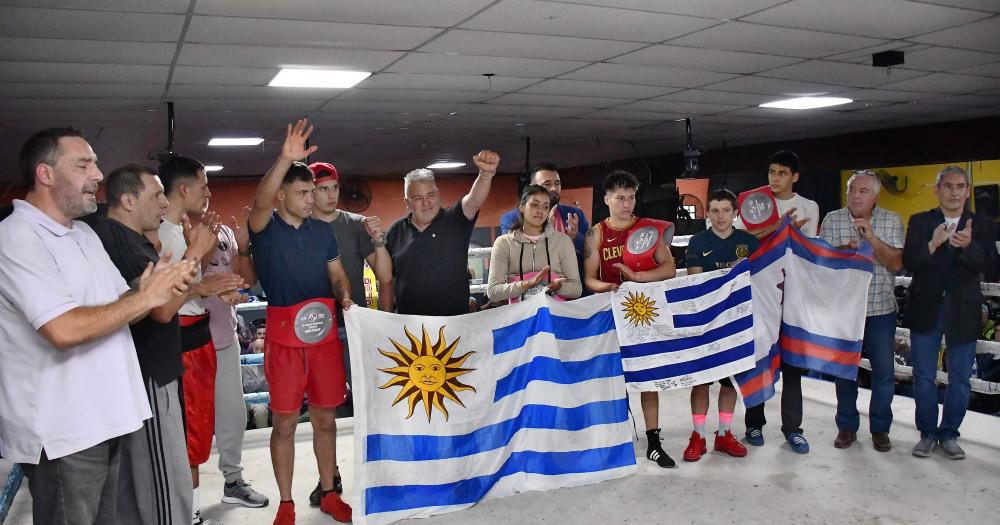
<point x="158" y="345"/>
<point x="431" y="267"/>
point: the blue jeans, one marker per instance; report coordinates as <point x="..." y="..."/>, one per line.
<point x="924" y="354"/>
<point x="879" y="348"/>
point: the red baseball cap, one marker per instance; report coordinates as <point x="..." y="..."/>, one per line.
<point x="324" y="171"/>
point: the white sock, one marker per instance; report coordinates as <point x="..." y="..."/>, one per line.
<point x="195" y="506"/>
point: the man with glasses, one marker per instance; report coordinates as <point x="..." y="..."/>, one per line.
<point x="947" y="250"/>
<point x="862" y="220"/>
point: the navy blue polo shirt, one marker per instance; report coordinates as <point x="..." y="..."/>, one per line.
<point x="291" y="262"/>
<point x="431" y="267"/>
<point x="707" y="250"/>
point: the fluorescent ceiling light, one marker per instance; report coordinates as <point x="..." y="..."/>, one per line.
<point x="807" y="103"/>
<point x="212" y="167"/>
<point x="446" y="165"/>
<point x="318" y="78"/>
<point x="235" y="141"/>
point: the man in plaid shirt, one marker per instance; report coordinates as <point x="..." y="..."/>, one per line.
<point x="846" y="228"/>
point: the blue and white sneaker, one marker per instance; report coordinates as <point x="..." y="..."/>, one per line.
<point x="798" y="443"/>
<point x="755" y="437"/>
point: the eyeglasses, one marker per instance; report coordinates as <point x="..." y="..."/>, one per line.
<point x="870" y="173"/>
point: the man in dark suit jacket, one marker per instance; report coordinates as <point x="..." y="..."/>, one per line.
<point x="947" y="250"/>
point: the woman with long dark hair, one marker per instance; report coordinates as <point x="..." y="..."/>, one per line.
<point x="531" y="258"/>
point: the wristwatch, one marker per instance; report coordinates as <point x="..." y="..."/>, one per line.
<point x="380" y="242"/>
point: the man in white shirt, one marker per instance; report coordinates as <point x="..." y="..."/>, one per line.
<point x="782" y="174"/>
<point x="68" y="352"/>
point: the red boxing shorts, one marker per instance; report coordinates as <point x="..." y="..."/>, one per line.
<point x="198" y="386"/>
<point x="303" y="356"/>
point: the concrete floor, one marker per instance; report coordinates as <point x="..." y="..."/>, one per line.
<point x="771" y="485"/>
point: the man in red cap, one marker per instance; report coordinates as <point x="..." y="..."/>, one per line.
<point x="360" y="240"/>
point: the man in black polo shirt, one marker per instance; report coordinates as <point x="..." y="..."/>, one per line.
<point x="430" y="246"/>
<point x="154" y="480"/>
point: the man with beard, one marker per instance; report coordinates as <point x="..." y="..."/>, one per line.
<point x="298" y="262"/>
<point x="563" y="217"/>
<point x="67" y="352"/>
<point x="155" y="481"/>
<point x="186" y="186"/>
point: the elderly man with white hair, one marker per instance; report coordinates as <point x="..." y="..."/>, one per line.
<point x="863" y="220"/>
<point x="430" y="245"/>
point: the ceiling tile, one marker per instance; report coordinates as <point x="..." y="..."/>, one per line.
<point x="278" y="57"/>
<point x="537" y="111"/>
<point x="841" y="73"/>
<point x="416" y="95"/>
<point x="288" y="106"/>
<point x="528" y="99"/>
<point x="977" y="36"/>
<point x="432" y="13"/>
<point x="886" y="95"/>
<point x="983" y="5"/>
<point x="139" y="6"/>
<point x="704" y="59"/>
<point x="987" y="70"/>
<point x="583" y="88"/>
<point x="67" y="90"/>
<point x="946" y="83"/>
<point x="678" y="107"/>
<point x="773" y="86"/>
<point x="487" y="43"/>
<point x="864" y="55"/>
<point x="234" y="76"/>
<point x="473" y="65"/>
<point x="717" y="97"/>
<point x="705" y="8"/>
<point x="81" y="73"/>
<point x="754" y="38"/>
<point x="886" y="19"/>
<point x="86" y="25"/>
<point x="196" y="90"/>
<point x="944" y="58"/>
<point x="85" y="51"/>
<point x="300" y="33"/>
<point x="656" y="76"/>
<point x="474" y="82"/>
<point x="550" y="18"/>
<point x="635" y="116"/>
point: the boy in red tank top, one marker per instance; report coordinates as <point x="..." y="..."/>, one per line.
<point x="604" y="271"/>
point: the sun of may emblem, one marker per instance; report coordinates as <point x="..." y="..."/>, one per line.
<point x="639" y="309"/>
<point x="427" y="373"/>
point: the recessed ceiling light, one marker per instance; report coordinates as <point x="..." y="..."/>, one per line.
<point x="446" y="165"/>
<point x="235" y="141"/>
<point x="318" y="78"/>
<point x="807" y="103"/>
<point x="212" y="167"/>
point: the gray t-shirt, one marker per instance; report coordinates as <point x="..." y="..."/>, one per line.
<point x="355" y="245"/>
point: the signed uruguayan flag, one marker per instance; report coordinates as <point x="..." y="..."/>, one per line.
<point x="450" y="411"/>
<point x="685" y="331"/>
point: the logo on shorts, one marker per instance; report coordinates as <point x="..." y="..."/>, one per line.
<point x="426" y="372"/>
<point x="313" y="322"/>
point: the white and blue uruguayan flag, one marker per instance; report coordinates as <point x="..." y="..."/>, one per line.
<point x="685" y="331"/>
<point x="450" y="411"/>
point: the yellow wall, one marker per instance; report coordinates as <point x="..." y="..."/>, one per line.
<point x="919" y="195"/>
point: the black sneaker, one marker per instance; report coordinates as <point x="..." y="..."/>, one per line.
<point x="317" y="494"/>
<point x="655" y="452"/>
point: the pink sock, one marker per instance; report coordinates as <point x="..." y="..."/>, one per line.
<point x="699" y="423"/>
<point x="725" y="422"/>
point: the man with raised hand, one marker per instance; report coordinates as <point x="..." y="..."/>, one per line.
<point x="298" y="262"/>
